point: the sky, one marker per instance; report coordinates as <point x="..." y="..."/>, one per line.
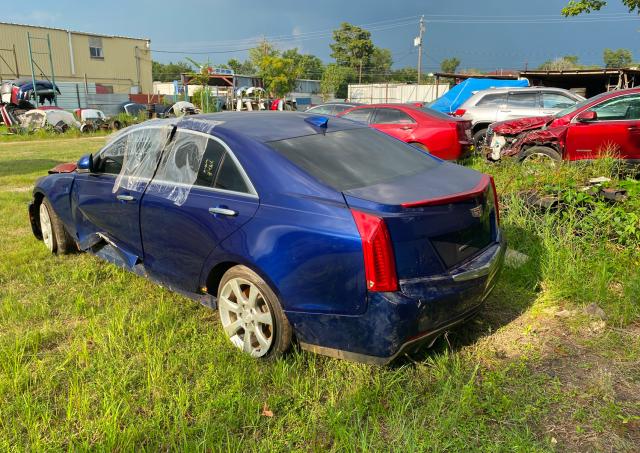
<point x="486" y="34"/>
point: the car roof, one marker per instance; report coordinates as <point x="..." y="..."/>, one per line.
<point x="264" y="126"/>
<point x="536" y="88"/>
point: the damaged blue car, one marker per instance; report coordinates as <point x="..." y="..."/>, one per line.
<point x="296" y="227"/>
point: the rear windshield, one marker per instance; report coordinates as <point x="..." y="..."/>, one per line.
<point x="354" y="158"/>
<point x="435" y="113"/>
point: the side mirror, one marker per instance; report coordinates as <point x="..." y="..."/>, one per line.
<point x="85" y="164"/>
<point x="587" y="116"/>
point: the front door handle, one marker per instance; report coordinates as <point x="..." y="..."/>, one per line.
<point x="223" y="211"/>
<point x="125" y="198"/>
<point x="406" y="128"/>
<point x="634" y="128"/>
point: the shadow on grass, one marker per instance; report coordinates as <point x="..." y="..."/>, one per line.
<point x="18" y="167"/>
<point x="515" y="292"/>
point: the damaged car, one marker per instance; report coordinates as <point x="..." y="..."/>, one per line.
<point x="293" y="226"/>
<point x="604" y="125"/>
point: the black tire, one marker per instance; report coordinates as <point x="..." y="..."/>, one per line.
<point x="282" y="332"/>
<point x="62" y="242"/>
<point x="479" y="138"/>
<point x="421" y="146"/>
<point x="541" y="151"/>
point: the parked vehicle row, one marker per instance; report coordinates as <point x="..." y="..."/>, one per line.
<point x="293" y="225"/>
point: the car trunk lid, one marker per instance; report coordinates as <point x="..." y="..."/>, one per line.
<point x="436" y="219"/>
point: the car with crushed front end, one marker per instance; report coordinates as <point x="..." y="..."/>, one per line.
<point x="296" y="227"/>
<point x="606" y="125"/>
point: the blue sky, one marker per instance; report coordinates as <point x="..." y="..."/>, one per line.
<point x="529" y="32"/>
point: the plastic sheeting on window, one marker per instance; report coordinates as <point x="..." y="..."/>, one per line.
<point x="179" y="169"/>
<point x="141" y="150"/>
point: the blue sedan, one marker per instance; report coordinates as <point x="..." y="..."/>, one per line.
<point x="294" y="226"/>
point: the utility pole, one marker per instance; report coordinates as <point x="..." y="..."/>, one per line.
<point x="417" y="42"/>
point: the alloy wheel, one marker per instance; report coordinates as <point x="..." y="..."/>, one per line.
<point x="45" y="227"/>
<point x="246" y="317"/>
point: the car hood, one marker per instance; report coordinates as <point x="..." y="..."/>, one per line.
<point x="514" y="127"/>
<point x="68" y="167"/>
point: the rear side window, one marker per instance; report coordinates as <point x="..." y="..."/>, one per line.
<point x="392" y="116"/>
<point x="523" y="100"/>
<point x="354" y="158"/>
<point x="230" y="177"/>
<point x="492" y="100"/>
<point x="341" y="108"/>
<point x="556" y="101"/>
<point x="210" y="163"/>
<point x="361" y="115"/>
<point x="320" y="110"/>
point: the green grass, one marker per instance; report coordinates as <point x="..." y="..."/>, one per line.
<point x="92" y="357"/>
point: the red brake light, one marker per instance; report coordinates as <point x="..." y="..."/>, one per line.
<point x="379" y="262"/>
<point x="459" y="112"/>
<point x="495" y="199"/>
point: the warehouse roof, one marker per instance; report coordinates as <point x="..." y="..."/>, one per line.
<point x="74" y="31"/>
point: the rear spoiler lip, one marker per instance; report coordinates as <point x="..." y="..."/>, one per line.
<point x="479" y="188"/>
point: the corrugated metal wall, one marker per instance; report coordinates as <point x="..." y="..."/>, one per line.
<point x="76" y="95"/>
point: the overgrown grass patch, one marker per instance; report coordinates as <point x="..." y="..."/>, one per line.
<point x="93" y="357"/>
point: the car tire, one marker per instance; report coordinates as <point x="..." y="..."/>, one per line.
<point x="538" y="153"/>
<point x="479" y="138"/>
<point x="251" y="314"/>
<point x="421" y="146"/>
<point x="54" y="234"/>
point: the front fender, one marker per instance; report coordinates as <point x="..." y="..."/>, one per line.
<point x="57" y="189"/>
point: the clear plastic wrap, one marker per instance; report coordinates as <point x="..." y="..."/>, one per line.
<point x="179" y="169"/>
<point x="142" y="150"/>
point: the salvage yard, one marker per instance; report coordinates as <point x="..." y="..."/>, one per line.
<point x="92" y="356"/>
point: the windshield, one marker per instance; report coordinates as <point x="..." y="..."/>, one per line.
<point x="578" y="106"/>
<point x="354" y="158"/>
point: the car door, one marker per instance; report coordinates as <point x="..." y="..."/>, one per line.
<point x="106" y="201"/>
<point x="487" y="107"/>
<point x="616" y="130"/>
<point x="394" y="122"/>
<point x="362" y="115"/>
<point x="199" y="197"/>
<point x="520" y="104"/>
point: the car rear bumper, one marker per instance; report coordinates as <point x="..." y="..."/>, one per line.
<point x="397" y="322"/>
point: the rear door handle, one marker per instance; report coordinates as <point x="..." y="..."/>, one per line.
<point x="223" y="211"/>
<point x="125" y="197"/>
<point x="406" y="128"/>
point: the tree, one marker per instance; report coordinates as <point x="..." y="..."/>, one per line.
<point x="278" y="74"/>
<point x="335" y="81"/>
<point x="617" y="58"/>
<point x="170" y="71"/>
<point x="405" y="75"/>
<point x="561" y="64"/>
<point x="311" y="67"/>
<point x="244" y="68"/>
<point x="379" y="65"/>
<point x="352" y="47"/>
<point x="576" y="7"/>
<point x="450" y="65"/>
<point x="264" y="49"/>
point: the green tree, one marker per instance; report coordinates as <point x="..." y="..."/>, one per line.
<point x="263" y="49"/>
<point x="311" y="67"/>
<point x="617" y="58"/>
<point x="244" y="67"/>
<point x="576" y="7"/>
<point x="278" y="74"/>
<point x="405" y="75"/>
<point x="335" y="80"/>
<point x="450" y="65"/>
<point x="170" y="71"/>
<point x="379" y="65"/>
<point x="561" y="64"/>
<point x="352" y="47"/>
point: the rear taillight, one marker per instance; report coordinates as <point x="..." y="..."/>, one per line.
<point x="495" y="200"/>
<point x="379" y="262"/>
<point x="459" y="112"/>
<point x="464" y="131"/>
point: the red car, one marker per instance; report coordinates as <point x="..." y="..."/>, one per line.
<point x="439" y="134"/>
<point x="604" y="124"/>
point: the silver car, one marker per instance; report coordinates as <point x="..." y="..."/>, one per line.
<point x="501" y="104"/>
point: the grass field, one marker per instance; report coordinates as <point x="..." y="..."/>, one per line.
<point x="92" y="357"/>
